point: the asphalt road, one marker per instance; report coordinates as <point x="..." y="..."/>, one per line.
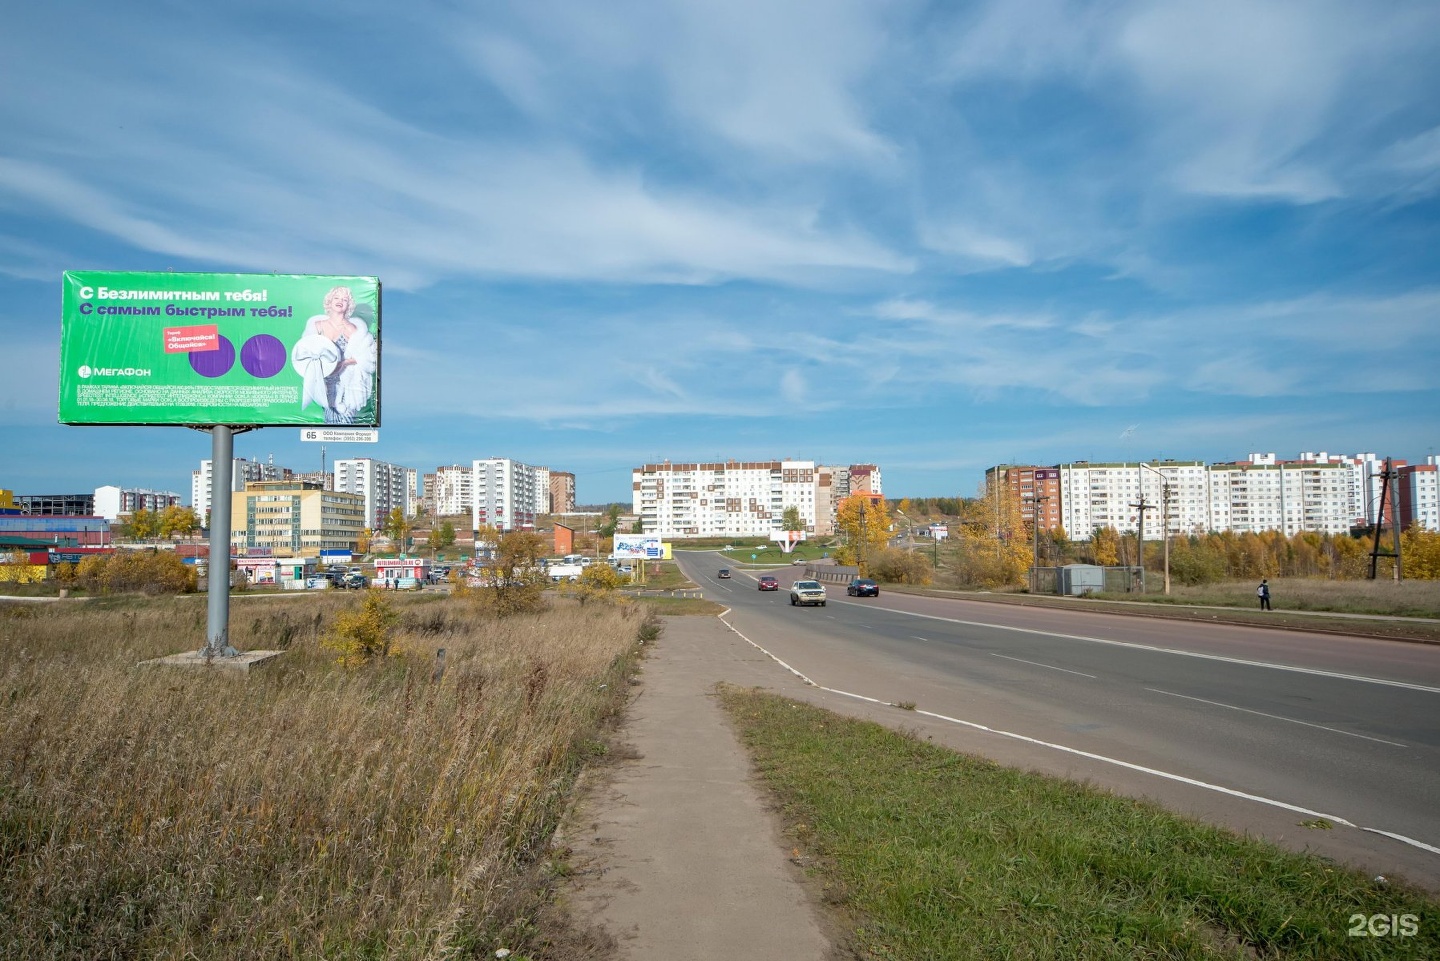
<point x="1318" y="741"/>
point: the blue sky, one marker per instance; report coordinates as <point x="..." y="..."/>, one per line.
<point x="932" y="236"/>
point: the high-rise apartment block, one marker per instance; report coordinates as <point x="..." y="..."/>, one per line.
<point x="723" y="499"/>
<point x="507" y="494"/>
<point x="562" y="492"/>
<point x="112" y="502"/>
<point x="1314" y="492"/>
<point x="242" y="472"/>
<point x="385" y="487"/>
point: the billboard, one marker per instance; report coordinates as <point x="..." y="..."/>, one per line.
<point x="203" y="349"/>
<point x="638" y="547"/>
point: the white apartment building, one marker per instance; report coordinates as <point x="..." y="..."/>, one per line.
<point x="111" y="502"/>
<point x="542" y="490"/>
<point x="242" y="472"/>
<point x="1107" y="495"/>
<point x="453" y="490"/>
<point x="506" y="494"/>
<point x="723" y="499"/>
<point x="412" y="491"/>
<point x="1259" y="494"/>
<point x="384" y="486"/>
<point x="1419" y="498"/>
<point x="1265" y="494"/>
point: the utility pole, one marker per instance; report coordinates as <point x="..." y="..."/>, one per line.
<point x="1142" y="507"/>
<point x="1165" y="514"/>
<point x="1376" y="553"/>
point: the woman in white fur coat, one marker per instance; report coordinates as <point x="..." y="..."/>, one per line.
<point x="336" y="359"/>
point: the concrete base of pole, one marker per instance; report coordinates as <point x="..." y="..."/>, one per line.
<point x="241" y="663"/>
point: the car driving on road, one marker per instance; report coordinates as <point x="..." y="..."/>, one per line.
<point x="724" y="573"/>
<point x="769" y="582"/>
<point x="863" y="587"/>
<point x="806" y="593"/>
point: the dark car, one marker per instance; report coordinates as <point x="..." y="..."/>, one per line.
<point x="724" y="573"/>
<point x="863" y="587"/>
<point x="769" y="582"/>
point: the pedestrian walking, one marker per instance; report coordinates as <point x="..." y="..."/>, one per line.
<point x="1263" y="592"/>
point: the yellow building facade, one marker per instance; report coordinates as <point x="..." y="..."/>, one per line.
<point x="293" y="518"/>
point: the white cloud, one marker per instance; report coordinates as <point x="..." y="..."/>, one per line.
<point x="975" y="245"/>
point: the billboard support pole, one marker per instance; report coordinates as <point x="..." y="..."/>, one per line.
<point x="222" y="473"/>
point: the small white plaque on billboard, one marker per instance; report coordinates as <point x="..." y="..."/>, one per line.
<point x="340" y="435"/>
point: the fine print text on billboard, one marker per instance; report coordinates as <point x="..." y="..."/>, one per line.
<point x="204" y="349"/>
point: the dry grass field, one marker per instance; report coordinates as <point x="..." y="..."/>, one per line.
<point x="305" y="811"/>
<point x="1410" y="598"/>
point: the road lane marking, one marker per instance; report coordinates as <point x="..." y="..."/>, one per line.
<point x="1038" y="664"/>
<point x="1277" y="717"/>
<point x="1168" y="650"/>
<point x="1401" y="837"/>
<point x="1179" y="778"/>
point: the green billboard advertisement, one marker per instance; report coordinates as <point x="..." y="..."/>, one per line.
<point x="205" y="349"/>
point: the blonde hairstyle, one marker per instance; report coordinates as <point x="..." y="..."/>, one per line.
<point x="349" y="298"/>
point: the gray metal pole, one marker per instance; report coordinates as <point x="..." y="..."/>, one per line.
<point x="222" y="471"/>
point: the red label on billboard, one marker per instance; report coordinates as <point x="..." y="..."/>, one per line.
<point x="185" y="340"/>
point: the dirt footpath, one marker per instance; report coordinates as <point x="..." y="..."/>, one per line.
<point x="675" y="853"/>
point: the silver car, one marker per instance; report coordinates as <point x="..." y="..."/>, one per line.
<point x="807" y="592"/>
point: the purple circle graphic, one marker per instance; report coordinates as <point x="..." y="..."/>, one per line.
<point x="214" y="363"/>
<point x="263" y="356"/>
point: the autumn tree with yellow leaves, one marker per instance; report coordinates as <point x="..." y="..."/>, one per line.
<point x="864" y="525"/>
<point x="994" y="540"/>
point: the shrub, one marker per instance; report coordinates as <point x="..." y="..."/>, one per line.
<point x="149" y="572"/>
<point x="598" y="582"/>
<point x="901" y="567"/>
<point x="364" y="635"/>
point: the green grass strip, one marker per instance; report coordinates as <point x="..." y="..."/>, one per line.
<point x="933" y="854"/>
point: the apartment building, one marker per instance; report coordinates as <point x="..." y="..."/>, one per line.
<point x="1109" y="495"/>
<point x="506" y="494"/>
<point x="449" y="491"/>
<point x="412" y="490"/>
<point x="1261" y="493"/>
<point x="112" y="502"/>
<point x="292" y="518"/>
<point x="1419" y="495"/>
<point x="1036" y="489"/>
<point x="723" y="499"/>
<point x="384" y="487"/>
<point x="242" y="472"/>
<point x="562" y="492"/>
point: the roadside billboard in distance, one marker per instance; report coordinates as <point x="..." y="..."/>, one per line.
<point x="638" y="547"/>
<point x="195" y="349"/>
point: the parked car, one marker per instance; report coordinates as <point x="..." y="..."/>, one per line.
<point x="354" y="581"/>
<point x="863" y="587"/>
<point x="724" y="573"/>
<point x="807" y="592"/>
<point x="769" y="582"/>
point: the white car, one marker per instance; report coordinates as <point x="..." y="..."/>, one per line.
<point x="806" y="593"/>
